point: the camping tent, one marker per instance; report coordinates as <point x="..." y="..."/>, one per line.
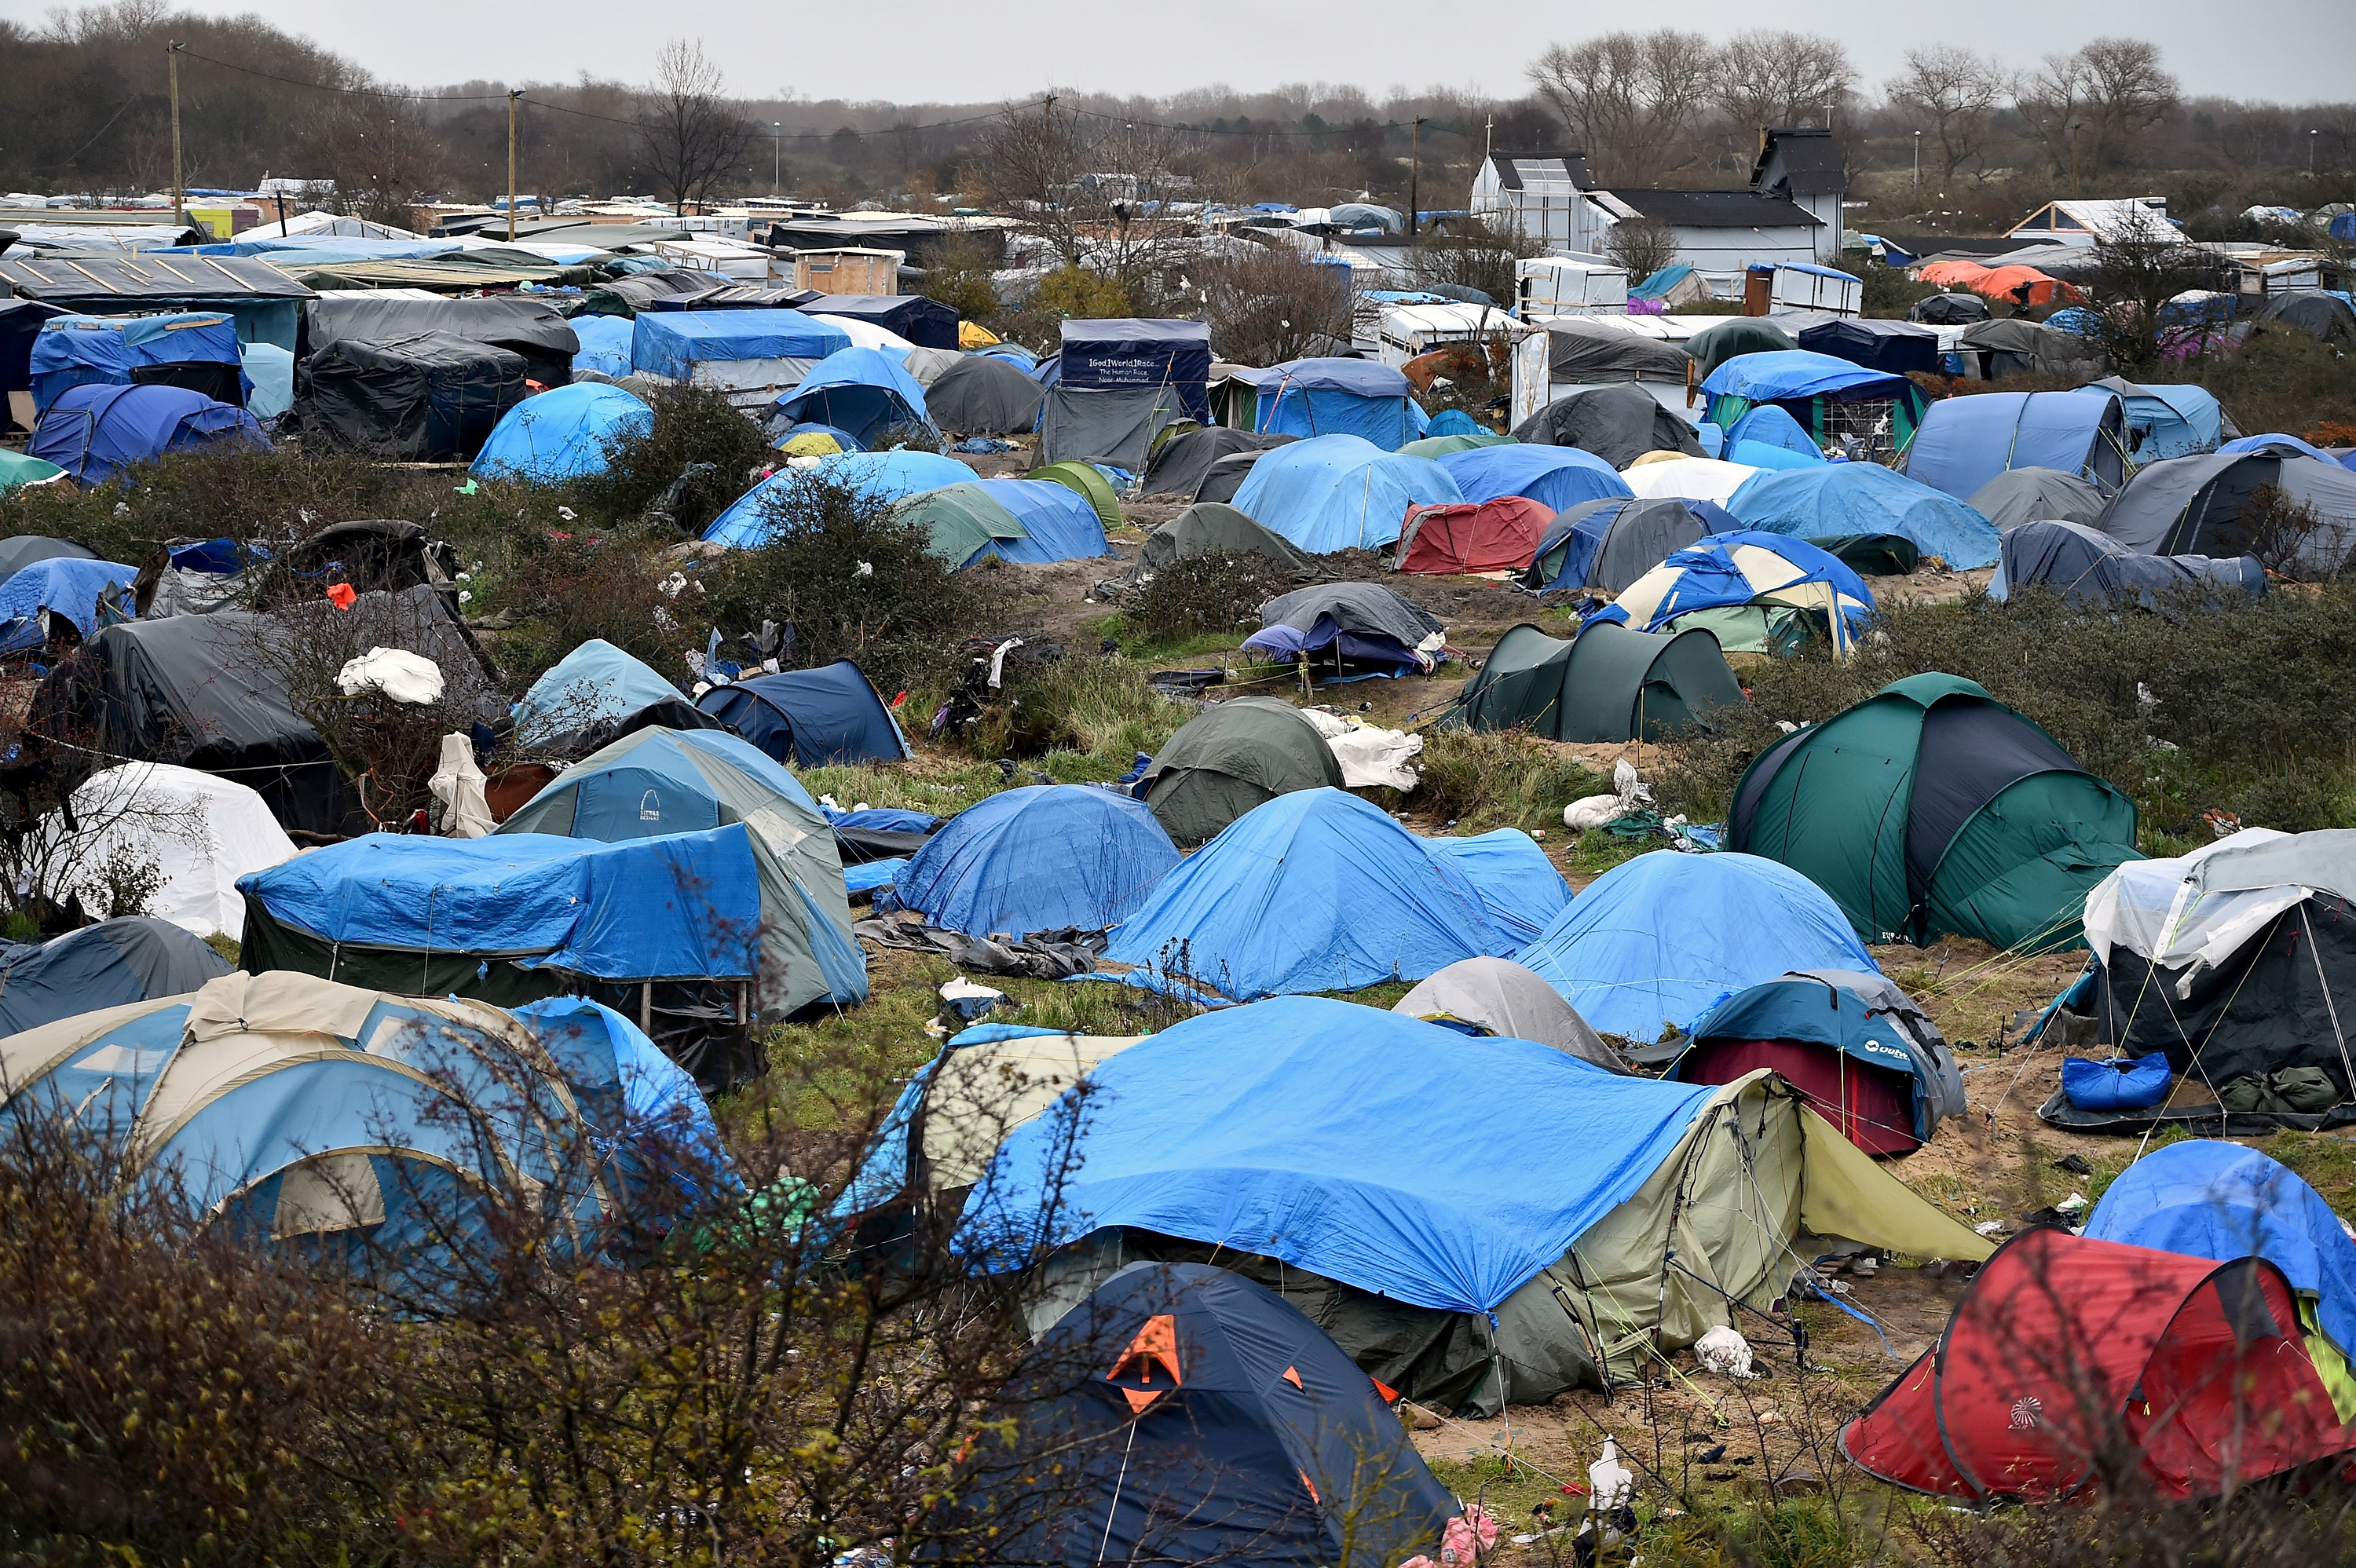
<point x="892" y="475"/>
<point x="2033" y="495"/>
<point x="2321" y="315"/>
<point x="926" y="323"/>
<point x="99" y="966"/>
<point x="604" y="345"/>
<point x="97" y="433"/>
<point x="1738" y="569"/>
<point x="830" y="717"/>
<point x="596" y="694"/>
<point x="1948" y="310"/>
<point x="2277" y="444"/>
<point x="194" y="350"/>
<point x="1437" y="446"/>
<point x="16" y="470"/>
<point x="567" y="432"/>
<point x="1213" y="528"/>
<point x="963" y="523"/>
<point x="1714" y="345"/>
<point x="1058" y="523"/>
<point x="1688" y="479"/>
<point x="1770" y="427"/>
<point x="2015" y="347"/>
<point x="2194" y="505"/>
<point x="1086" y="481"/>
<point x="1232" y="757"/>
<point x="65" y="586"/>
<point x="433" y="397"/>
<point x="1609" y="544"/>
<point x="2174" y="419"/>
<point x="1361" y="901"/>
<point x="1931" y="808"/>
<point x="1609" y="683"/>
<point x="18" y="553"/>
<point x="1964" y="442"/>
<point x="1362" y="622"/>
<point x="1897" y="347"/>
<point x="1825" y="500"/>
<point x="202" y="832"/>
<point x="1497" y="535"/>
<point x="1498" y="997"/>
<point x="1556" y="477"/>
<point x="1617" y="423"/>
<point x="1180" y="464"/>
<point x="1043" y="858"/>
<point x="984" y="395"/>
<point x="1520" y="889"/>
<point x="1808" y="386"/>
<point x="1340" y="492"/>
<point x="2085" y="566"/>
<point x="864" y="392"/>
<point x="751" y="355"/>
<point x="1340" y="397"/>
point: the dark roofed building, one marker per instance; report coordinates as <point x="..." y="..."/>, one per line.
<point x="1808" y="166"/>
<point x="1539" y="193"/>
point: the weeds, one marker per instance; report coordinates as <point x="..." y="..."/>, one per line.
<point x="1495" y="779"/>
<point x="1084" y="711"/>
<point x="1218" y="593"/>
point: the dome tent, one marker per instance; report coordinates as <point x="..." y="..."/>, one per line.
<point x="2193" y="505"/>
<point x="1714" y="345"/>
<point x="1230" y="758"/>
<point x="1497" y="535"/>
<point x="984" y="395"/>
<point x="1039" y="858"/>
<point x="865" y="391"/>
<point x="1607" y="684"/>
<point x="563" y="433"/>
<point x="594" y="694"/>
<point x="2032" y="494"/>
<point x="1181" y="463"/>
<point x="97" y="432"/>
<point x="1498" y="997"/>
<point x="830" y="717"/>
<point x="2174" y="419"/>
<point x="1742" y="570"/>
<point x="1058" y="523"/>
<point x="1609" y="544"/>
<point x="1340" y="397"/>
<point x="892" y="475"/>
<point x="108" y="965"/>
<point x="1086" y="481"/>
<point x="1932" y="808"/>
<point x="1556" y="477"/>
<point x="1688" y="479"/>
<point x="1213" y="528"/>
<point x="964" y="523"/>
<point x="1618" y="423"/>
<point x="1806" y="386"/>
<point x="202" y="831"/>
<point x="1520" y="889"/>
<point x="1339" y="492"/>
<point x="1964" y="442"/>
<point x="2085" y="566"/>
<point x="1828" y="500"/>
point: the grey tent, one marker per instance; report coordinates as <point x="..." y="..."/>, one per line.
<point x="2319" y="315"/>
<point x="2020" y="495"/>
<point x="1498" y="997"/>
<point x="1230" y="758"/>
<point x="1365" y="614"/>
<point x="519" y="325"/>
<point x="2193" y="505"/>
<point x="2014" y="346"/>
<point x="22" y="551"/>
<point x="1115" y="427"/>
<point x="1183" y="461"/>
<point x="107" y="965"/>
<point x="1582" y="351"/>
<point x="1227" y="476"/>
<point x="1617" y="423"/>
<point x="1609" y="683"/>
<point x="431" y="398"/>
<point x="1948" y="310"/>
<point x="1638" y="536"/>
<point x="1211" y="527"/>
<point x="982" y="395"/>
<point x="929" y="365"/>
<point x="2086" y="566"/>
<point x="1713" y="346"/>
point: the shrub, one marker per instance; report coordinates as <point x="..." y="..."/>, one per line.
<point x="1102" y="709"/>
<point x="566" y="589"/>
<point x="1499" y="779"/>
<point x="1220" y="592"/>
<point x="699" y="442"/>
<point x="959" y="278"/>
<point x="1080" y="295"/>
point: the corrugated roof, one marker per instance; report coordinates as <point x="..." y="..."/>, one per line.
<point x="1719" y="208"/>
<point x="1514" y="169"/>
<point x="108" y="276"/>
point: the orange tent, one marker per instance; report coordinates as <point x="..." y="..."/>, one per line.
<point x="2001" y="282"/>
<point x="1944" y="273"/>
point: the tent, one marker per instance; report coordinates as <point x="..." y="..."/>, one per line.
<point x="1931" y="808"/>
<point x="1714" y="345"/>
<point x="1230" y="758"/>
<point x="604" y="345"/>
<point x="963" y="523"/>
<point x="568" y="433"/>
<point x="1195" y="1416"/>
<point x="1362" y="622"/>
<point x="864" y="391"/>
<point x="1608" y="684"/>
<point x="269" y="373"/>
<point x="100" y="966"/>
<point x="983" y="395"/>
<point x="1897" y="347"/>
<point x="1227" y="474"/>
<point x="1656" y="942"/>
<point x="1868" y="1058"/>
<point x="2321" y="315"/>
<point x="97" y="434"/>
<point x="2015" y="347"/>
<point x="830" y="717"/>
<point x="926" y="323"/>
<point x="24" y="549"/>
<point x="1120" y="428"/>
<point x="1556" y="477"/>
<point x="1826" y="499"/>
<point x="1498" y="535"/>
<point x="2277" y="444"/>
<point x="1744" y="568"/>
<point x="433" y="397"/>
<point x="2086" y="566"/>
<point x="1520" y="889"/>
<point x="1688" y="479"/>
<point x="656" y="781"/>
<point x="1609" y="544"/>
<point x="517" y="322"/>
<point x="1811" y="388"/>
<point x="1086" y="481"/>
<point x="2033" y="495"/>
<point x="892" y="475"/>
<point x="1043" y="858"/>
<point x="2174" y="419"/>
<point x="2067" y="1351"/>
<point x="1590" y="353"/>
<point x="67" y="587"/>
<point x="1498" y="997"/>
<point x="1130" y="354"/>
<point x="198" y="351"/>
<point x="1180" y="464"/>
<point x="1340" y="397"/>
<point x="596" y="694"/>
<point x="1340" y="492"/>
<point x="1058" y="522"/>
<point x="1768" y="425"/>
<point x="16" y="470"/>
<point x="1462" y="441"/>
<point x="1964" y="442"/>
<point x="1617" y="423"/>
<point x="200" y="831"/>
<point x="2194" y="505"/>
<point x="862" y="334"/>
<point x="20" y="324"/>
<point x="1362" y="903"/>
<point x="751" y="355"/>
<point x="1209" y="527"/>
<point x="1948" y="310"/>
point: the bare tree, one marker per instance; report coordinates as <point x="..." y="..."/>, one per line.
<point x="1769" y="79"/>
<point x="1629" y="98"/>
<point x="2091" y="107"/>
<point x="1642" y="245"/>
<point x="383" y="154"/>
<point x="1953" y="95"/>
<point x="689" y="134"/>
<point x="1094" y="186"/>
<point x="1271" y="304"/>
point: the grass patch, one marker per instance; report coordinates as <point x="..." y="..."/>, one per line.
<point x="1597" y="851"/>
<point x="1094" y="707"/>
<point x="1140" y="648"/>
<point x="1498" y="779"/>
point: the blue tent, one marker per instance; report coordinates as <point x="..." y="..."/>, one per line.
<point x="1042" y="858"/>
<point x="1558" y="477"/>
<point x="1339" y="492"/>
<point x="96" y="432"/>
<point x="1709" y="574"/>
<point x="1768" y="425"/>
<point x="564" y="433"/>
<point x="65" y="586"/>
<point x="1277" y="1128"/>
<point x="1314" y="891"/>
<point x="1803" y="383"/>
<point x="108" y="965"/>
<point x="2210" y="1200"/>
<point x="2278" y="444"/>
<point x="1520" y="889"/>
<point x="595" y="684"/>
<point x="892" y="475"/>
<point x="2177" y="419"/>
<point x="864" y="392"/>
<point x="1826" y="500"/>
<point x="811" y="717"/>
<point x="1964" y="442"/>
<point x="605" y="344"/>
<point x="1125" y="353"/>
<point x="269" y="374"/>
<point x="1340" y="397"/>
<point x="669" y="1157"/>
<point x="1581" y="533"/>
<point x="1453" y="422"/>
<point x="1658" y="940"/>
<point x="1061" y="523"/>
<point x="673" y="343"/>
<point x="109" y="351"/>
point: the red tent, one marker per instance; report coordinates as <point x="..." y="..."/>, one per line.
<point x="2070" y="1359"/>
<point x="1873" y="1107"/>
<point x="1492" y="536"/>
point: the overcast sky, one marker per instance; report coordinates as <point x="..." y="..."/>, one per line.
<point x="2289" y="51"/>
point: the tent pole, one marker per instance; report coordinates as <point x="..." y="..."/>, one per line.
<point x="647" y="1008"/>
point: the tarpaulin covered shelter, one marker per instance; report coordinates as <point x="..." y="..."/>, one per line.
<point x="604" y="345"/>
<point x="1340" y="492"/>
<point x="97" y="433"/>
<point x="105" y="966"/>
<point x="829" y="717"/>
<point x="16" y="470"/>
<point x="2067" y="1348"/>
<point x="65" y="586"/>
<point x="1609" y="544"/>
<point x="1558" y="477"/>
<point x="2034" y="495"/>
<point x="1964" y="442"/>
<point x="1180" y="464"/>
<point x="1714" y="345"/>
<point x="1130" y="354"/>
<point x="2086" y="566"/>
<point x="1520" y="889"/>
<point x="1043" y="858"/>
<point x="2275" y="443"/>
<point x="1340" y="397"/>
<point x="1213" y="528"/>
<point x="1498" y="535"/>
<point x="2017" y="346"/>
<point x="1498" y="997"/>
<point x="1058" y="523"/>
<point x="1931" y="808"/>
<point x="2195" y="506"/>
<point x="892" y="475"/>
<point x="2173" y="419"/>
<point x="751" y="355"/>
<point x="2321" y="315"/>
<point x="984" y="395"/>
<point x="1948" y="310"/>
<point x="1769" y="426"/>
<point x="201" y="832"/>
<point x="1617" y="423"/>
<point x="1609" y="683"/>
<point x="1806" y="386"/>
<point x="1825" y="500"/>
<point x="568" y="433"/>
<point x="1741" y="570"/>
<point x="926" y="323"/>
<point x="864" y="392"/>
<point x="1900" y="347"/>
<point x="1591" y="352"/>
<point x="191" y="349"/>
<point x="262" y="300"/>
<point x="1362" y="622"/>
<point x="524" y="326"/>
<point x="1230" y="758"/>
<point x="1656" y="942"/>
<point x="433" y="397"/>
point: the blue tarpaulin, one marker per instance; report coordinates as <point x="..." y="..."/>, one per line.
<point x="1660" y="940"/>
<point x="605" y="344"/>
<point x="864" y="391"/>
<point x="1340" y="492"/>
<point x="892" y="475"/>
<point x="1037" y="859"/>
<point x="1061" y="523"/>
<point x="1340" y="397"/>
<point x="89" y="350"/>
<point x="96" y="432"/>
<point x="269" y="377"/>
<point x="1768" y="425"/>
<point x="1276" y="1129"/>
<point x="1558" y="477"/>
<point x="563" y="434"/>
<point x="1826" y="500"/>
<point x="1519" y="888"/>
<point x="64" y="585"/>
<point x="828" y="717"/>
<point x="673" y="343"/>
<point x="1964" y="442"/>
<point x="1777" y="375"/>
<point x="2278" y="444"/>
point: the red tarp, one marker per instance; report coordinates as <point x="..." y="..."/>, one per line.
<point x="1493" y="535"/>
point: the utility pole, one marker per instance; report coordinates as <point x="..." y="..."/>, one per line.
<point x="1414" y="177"/>
<point x="777" y="158"/>
<point x="1918" y="164"/>
<point x="2076" y="188"/>
<point x="513" y="95"/>
<point x="179" y="183"/>
<point x="2310" y="154"/>
<point x="1047" y="115"/>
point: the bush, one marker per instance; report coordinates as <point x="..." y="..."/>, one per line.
<point x="1102" y="710"/>
<point x="1218" y="593"/>
<point x="1080" y="295"/>
<point x="1498" y="779"/>
<point x="566" y="589"/>
<point x="959" y="278"/>
<point x="697" y="441"/>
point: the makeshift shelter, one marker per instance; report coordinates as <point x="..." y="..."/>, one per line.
<point x="750" y="355"/>
<point x="656" y="781"/>
<point x="1180" y="464"/>
<point x="1362" y="901"/>
<point x="1058" y="522"/>
<point x="1714" y="345"/>
<point x="16" y="470"/>
<point x="106" y="965"/>
<point x="2033" y="495"/>
<point x="1340" y="397"/>
<point x="1086" y="481"/>
<point x="1617" y="423"/>
<point x="2017" y="346"/>
<point x="97" y="434"/>
<point x="202" y="833"/>
<point x="1230" y="758"/>
<point x="1498" y="997"/>
<point x="1497" y="535"/>
<point x="593" y="695"/>
<point x="2197" y="506"/>
<point x="1437" y="446"/>
<point x="1729" y="580"/>
<point x="517" y="322"/>
<point x="65" y="587"/>
<point x="1362" y="623"/>
<point x="1769" y="426"/>
<point x="1340" y="492"/>
<point x="1213" y="527"/>
<point x="2325" y="317"/>
<point x="198" y="351"/>
<point x="604" y="345"/>
<point x="892" y="475"/>
<point x="926" y="323"/>
<point x="434" y="398"/>
<point x="1044" y="857"/>
<point x="1197" y="1416"/>
<point x="1130" y="355"/>
<point x="1118" y="428"/>
<point x="1826" y="499"/>
<point x="829" y="717"/>
<point x="1590" y="353"/>
<point x="1688" y="479"/>
<point x="1608" y="684"/>
<point x="1609" y="544"/>
<point x="1556" y="477"/>
<point x="567" y="432"/>
<point x="1900" y="347"/>
<point x="2174" y="419"/>
<point x="1948" y="310"/>
<point x="984" y="395"/>
<point x="2086" y="566"/>
<point x="1964" y="442"/>
<point x="262" y="300"/>
<point x="1656" y="942"/>
<point x="1868" y="1058"/>
<point x="2066" y="1348"/>
<point x="18" y="553"/>
<point x="1520" y="889"/>
<point x="1931" y="808"/>
<point x="1828" y="397"/>
<point x="863" y="391"/>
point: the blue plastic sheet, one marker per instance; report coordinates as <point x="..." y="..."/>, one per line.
<point x="864" y="392"/>
<point x="563" y="433"/>
<point x="1038" y="859"/>
<point x="1519" y="888"/>
<point x="886" y="476"/>
<point x="1061" y="524"/>
<point x="1825" y="500"/>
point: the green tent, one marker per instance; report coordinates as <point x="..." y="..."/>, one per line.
<point x="1777" y="631"/>
<point x="1932" y="808"/>
<point x="1449" y="445"/>
<point x="17" y="469"/>
<point x="1713" y="346"/>
<point x="1609" y="683"/>
<point x="1235" y="755"/>
<point x="1092" y="486"/>
<point x="962" y="520"/>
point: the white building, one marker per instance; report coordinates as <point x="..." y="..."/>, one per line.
<point x="1540" y="194"/>
<point x="2094" y="222"/>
